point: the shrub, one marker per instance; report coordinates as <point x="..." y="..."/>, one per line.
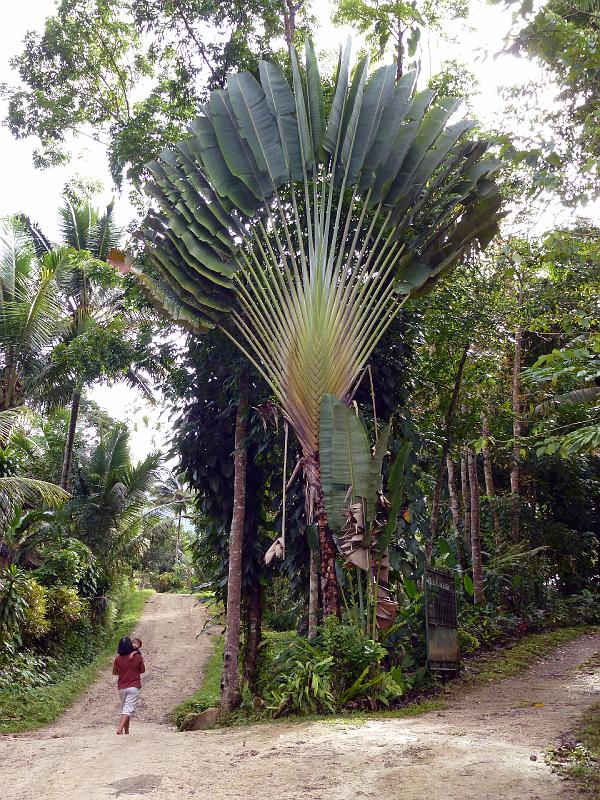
<point x="341" y="668"/>
<point x="64" y="608"/>
<point x="467" y="642"/>
<point x="166" y="582"/>
<point x="35" y="623"/>
<point x="305" y="686"/>
<point x="71" y="565"/>
<point x="24" y="668"/>
<point x="351" y="651"/>
<point x="282" y="607"/>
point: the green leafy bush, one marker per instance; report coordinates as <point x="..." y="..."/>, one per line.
<point x="305" y="686"/>
<point x="35" y="622"/>
<point x="21" y="669"/>
<point x="64" y="607"/>
<point x="342" y="667"/>
<point x="467" y="642"/>
<point x="167" y="582"/>
<point x="73" y="564"/>
<point x="351" y="651"/>
<point x="282" y="608"/>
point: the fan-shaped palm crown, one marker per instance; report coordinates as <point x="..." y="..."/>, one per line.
<point x="300" y="235"/>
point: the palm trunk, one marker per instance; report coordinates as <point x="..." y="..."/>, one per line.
<point x="490" y="489"/>
<point x="70" y="443"/>
<point x="253" y="608"/>
<point x="466" y="497"/>
<point x="455" y="511"/>
<point x="479" y="596"/>
<point x="313" y="596"/>
<point x="329" y="588"/>
<point x="515" y="473"/>
<point x="230" y="688"/>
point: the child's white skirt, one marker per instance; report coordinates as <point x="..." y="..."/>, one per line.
<point x="129" y="698"/>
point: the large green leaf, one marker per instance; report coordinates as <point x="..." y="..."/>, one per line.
<point x="280" y="100"/>
<point x="314" y="93"/>
<point x="332" y="133"/>
<point x="395" y="490"/>
<point x="257" y="125"/>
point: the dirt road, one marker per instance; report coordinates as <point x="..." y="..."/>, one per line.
<point x="174" y="660"/>
<point x="479" y="748"/>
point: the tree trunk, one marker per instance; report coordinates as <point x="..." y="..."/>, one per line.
<point x="515" y="473"/>
<point x="329" y="588"/>
<point x="230" y="689"/>
<point x="466" y="497"/>
<point x="289" y="21"/>
<point x="437" y="492"/>
<point x="253" y="608"/>
<point x="479" y="596"/>
<point x="455" y="511"/>
<point x="490" y="489"/>
<point x="70" y="443"/>
<point x="399" y="51"/>
<point x="313" y="596"/>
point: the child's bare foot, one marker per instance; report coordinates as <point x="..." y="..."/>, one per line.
<point x="119" y="733"/>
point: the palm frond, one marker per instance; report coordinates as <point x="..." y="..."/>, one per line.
<point x="16" y="491"/>
<point x="105" y="234"/>
<point x="41" y="242"/>
<point x="77" y="223"/>
<point x="584" y="395"/>
<point x="17" y="257"/>
<point x="302" y="237"/>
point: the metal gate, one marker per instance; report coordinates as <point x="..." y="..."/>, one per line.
<point x="440" y="620"/>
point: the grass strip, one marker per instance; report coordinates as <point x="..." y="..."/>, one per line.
<point x="208" y="694"/>
<point x="37" y="707"/>
<point x="517" y="658"/>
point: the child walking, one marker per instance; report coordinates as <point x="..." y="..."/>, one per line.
<point x="128" y="665"/>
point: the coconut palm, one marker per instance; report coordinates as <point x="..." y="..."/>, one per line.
<point x="84" y="230"/>
<point x="112" y="495"/>
<point x="301" y="236"/>
<point x="30" y="311"/>
<point x="171" y="503"/>
<point x="16" y="491"/>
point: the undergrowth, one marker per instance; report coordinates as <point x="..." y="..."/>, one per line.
<point x="75" y="666"/>
<point x="578" y="756"/>
<point x="488" y="667"/>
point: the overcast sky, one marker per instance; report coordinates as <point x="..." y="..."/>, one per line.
<point x="38" y="192"/>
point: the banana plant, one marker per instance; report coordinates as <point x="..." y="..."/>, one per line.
<point x="361" y="518"/>
<point x="300" y="235"/>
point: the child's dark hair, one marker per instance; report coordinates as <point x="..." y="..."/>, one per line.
<point x="125" y="647"/>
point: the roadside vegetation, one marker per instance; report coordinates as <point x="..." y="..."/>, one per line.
<point x="37" y="688"/>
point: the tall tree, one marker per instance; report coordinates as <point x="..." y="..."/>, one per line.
<point x="30" y="311"/>
<point x="132" y="74"/>
<point x="476" y="559"/>
<point x="397" y="24"/>
<point x="230" y="689"/>
<point x="283" y="292"/>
